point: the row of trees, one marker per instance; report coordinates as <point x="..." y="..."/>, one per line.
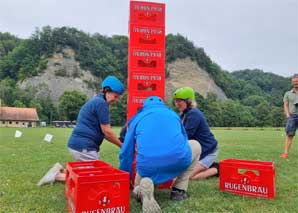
<point x="229" y="113"/>
<point x="255" y="97"/>
<point x="252" y="111"/>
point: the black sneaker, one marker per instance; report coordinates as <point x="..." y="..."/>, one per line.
<point x="178" y="194"/>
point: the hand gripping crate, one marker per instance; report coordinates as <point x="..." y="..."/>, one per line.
<point x="95" y="186"/>
<point x="248" y="177"/>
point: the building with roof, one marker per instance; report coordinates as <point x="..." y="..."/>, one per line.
<point x="18" y="117"/>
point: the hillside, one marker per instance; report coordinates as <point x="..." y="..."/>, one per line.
<point x="63" y="73"/>
<point x="36" y="72"/>
<point x="184" y="72"/>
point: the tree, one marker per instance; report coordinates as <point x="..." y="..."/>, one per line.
<point x="278" y="116"/>
<point x="253" y="100"/>
<point x="7" y="43"/>
<point x="214" y="113"/>
<point x="231" y="113"/>
<point x="246" y="117"/>
<point x="118" y="111"/>
<point x="263" y="114"/>
<point x="70" y="103"/>
<point x="18" y="103"/>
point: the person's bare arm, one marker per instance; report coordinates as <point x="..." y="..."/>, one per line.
<point x="286" y="109"/>
<point x="110" y="135"/>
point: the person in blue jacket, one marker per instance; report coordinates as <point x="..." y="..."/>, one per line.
<point x="92" y="127"/>
<point x="163" y="152"/>
<point x="197" y="129"/>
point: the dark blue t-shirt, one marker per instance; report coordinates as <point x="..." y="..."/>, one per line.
<point x="198" y="129"/>
<point x="87" y="134"/>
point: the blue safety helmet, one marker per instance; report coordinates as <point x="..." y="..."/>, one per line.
<point x="114" y="84"/>
<point x="153" y="100"/>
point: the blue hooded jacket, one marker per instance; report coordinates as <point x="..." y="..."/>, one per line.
<point x="157" y="133"/>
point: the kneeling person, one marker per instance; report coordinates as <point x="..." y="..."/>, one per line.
<point x="197" y="129"/>
<point x="163" y="152"/>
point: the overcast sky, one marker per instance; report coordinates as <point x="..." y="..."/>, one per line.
<point x="236" y="34"/>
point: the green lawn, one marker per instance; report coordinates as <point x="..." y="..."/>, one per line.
<point x="23" y="162"/>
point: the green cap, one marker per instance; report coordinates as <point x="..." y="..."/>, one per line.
<point x="184" y="93"/>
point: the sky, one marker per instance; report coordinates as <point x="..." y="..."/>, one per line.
<point x="236" y="34"/>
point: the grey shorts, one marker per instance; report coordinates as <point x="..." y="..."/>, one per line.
<point x="208" y="160"/>
<point x="84" y="155"/>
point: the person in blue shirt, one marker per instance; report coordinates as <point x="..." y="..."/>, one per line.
<point x="92" y="127"/>
<point x="197" y="129"/>
<point x="163" y="152"/>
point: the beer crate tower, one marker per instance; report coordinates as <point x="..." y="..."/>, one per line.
<point x="146" y="54"/>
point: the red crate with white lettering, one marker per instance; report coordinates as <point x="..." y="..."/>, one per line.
<point x="133" y="109"/>
<point x="134" y="103"/>
<point x="147" y="13"/>
<point x="147" y="59"/>
<point x="136" y="100"/>
<point x="248" y="177"/>
<point x="146" y="36"/>
<point x="95" y="186"/>
<point x="152" y="83"/>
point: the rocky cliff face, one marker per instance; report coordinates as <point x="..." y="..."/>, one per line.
<point x="185" y="72"/>
<point x="63" y="73"/>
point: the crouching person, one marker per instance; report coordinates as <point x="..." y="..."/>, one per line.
<point x="163" y="152"/>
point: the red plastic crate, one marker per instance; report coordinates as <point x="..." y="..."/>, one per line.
<point x="147" y="13"/>
<point x="95" y="186"/>
<point x="165" y="185"/>
<point x="147" y="59"/>
<point x="136" y="100"/>
<point x="134" y="104"/>
<point x="152" y="83"/>
<point x="248" y="177"/>
<point x="146" y="36"/>
<point x="86" y="165"/>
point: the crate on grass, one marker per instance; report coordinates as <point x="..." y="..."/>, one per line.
<point x="86" y="165"/>
<point x="248" y="177"/>
<point x="95" y="186"/>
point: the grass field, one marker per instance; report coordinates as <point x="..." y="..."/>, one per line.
<point x="23" y="162"/>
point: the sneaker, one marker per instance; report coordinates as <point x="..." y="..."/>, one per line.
<point x="178" y="194"/>
<point x="49" y="177"/>
<point x="284" y="155"/>
<point x="147" y="195"/>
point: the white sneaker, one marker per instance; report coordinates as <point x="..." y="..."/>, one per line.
<point x="147" y="195"/>
<point x="49" y="177"/>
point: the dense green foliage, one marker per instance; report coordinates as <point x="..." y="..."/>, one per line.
<point x="70" y="103"/>
<point x="255" y="97"/>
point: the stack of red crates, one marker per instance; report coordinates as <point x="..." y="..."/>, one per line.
<point x="146" y="54"/>
<point x="95" y="186"/>
<point x="146" y="57"/>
